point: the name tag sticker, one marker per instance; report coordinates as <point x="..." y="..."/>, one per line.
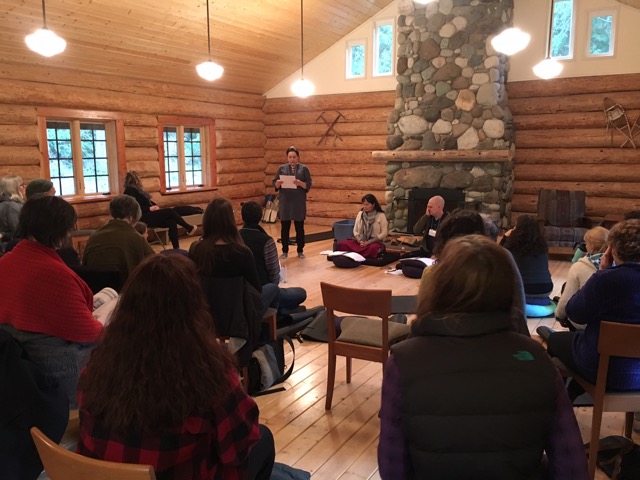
<point x="432" y="232"/>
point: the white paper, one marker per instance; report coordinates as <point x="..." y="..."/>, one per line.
<point x="352" y="255"/>
<point x="427" y="261"/>
<point x="287" y="181"/>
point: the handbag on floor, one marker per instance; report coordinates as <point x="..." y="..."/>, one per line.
<point x="267" y="367"/>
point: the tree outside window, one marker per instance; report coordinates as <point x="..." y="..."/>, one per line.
<point x="383" y="54"/>
<point x="356" y="54"/>
<point x="562" y="29"/>
<point x="601" y="33"/>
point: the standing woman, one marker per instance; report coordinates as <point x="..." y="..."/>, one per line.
<point x="293" y="201"/>
<point x="11" y="200"/>
<point x="159" y="389"/>
<point x="152" y="214"/>
<point x="369" y="231"/>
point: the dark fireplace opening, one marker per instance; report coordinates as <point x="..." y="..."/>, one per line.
<point x="419" y="197"/>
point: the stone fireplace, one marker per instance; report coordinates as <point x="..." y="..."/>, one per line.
<point x="450" y="126"/>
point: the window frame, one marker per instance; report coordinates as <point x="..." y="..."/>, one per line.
<point x="572" y="34"/>
<point x="208" y="151"/>
<point x="348" y="63"/>
<point x="375" y="50"/>
<point x="115" y="145"/>
<point x="601" y="12"/>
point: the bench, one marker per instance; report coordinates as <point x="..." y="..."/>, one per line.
<point x="161" y="234"/>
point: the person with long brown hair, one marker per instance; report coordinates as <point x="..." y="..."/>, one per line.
<point x="160" y="390"/>
<point x="467" y="397"/>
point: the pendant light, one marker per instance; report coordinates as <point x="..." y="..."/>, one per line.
<point x="424" y="2"/>
<point x="549" y="67"/>
<point x="44" y="41"/>
<point x="510" y="41"/>
<point x="302" y="88"/>
<point x="209" y="70"/>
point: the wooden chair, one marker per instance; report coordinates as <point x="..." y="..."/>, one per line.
<point x="61" y="464"/>
<point x="616" y="340"/>
<point x="361" y="337"/>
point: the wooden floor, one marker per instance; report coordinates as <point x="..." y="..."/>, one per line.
<point x="342" y="443"/>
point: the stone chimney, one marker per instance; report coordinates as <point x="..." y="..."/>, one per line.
<point x="451" y="83"/>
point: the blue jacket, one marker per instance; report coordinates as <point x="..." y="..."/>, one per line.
<point x="612" y="295"/>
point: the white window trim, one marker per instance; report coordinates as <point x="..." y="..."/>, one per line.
<point x="182" y="167"/>
<point x="602" y="12"/>
<point x="374" y="50"/>
<point x="350" y="45"/>
<point x="572" y="37"/>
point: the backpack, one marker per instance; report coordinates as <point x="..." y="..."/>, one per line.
<point x="267" y="367"/>
<point x="271" y="207"/>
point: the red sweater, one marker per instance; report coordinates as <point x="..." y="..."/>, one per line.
<point x="41" y="294"/>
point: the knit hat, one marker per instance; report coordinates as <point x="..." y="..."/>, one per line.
<point x="38" y="185"/>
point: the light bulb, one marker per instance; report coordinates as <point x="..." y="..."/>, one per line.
<point x="510" y="41"/>
<point x="424" y="2"/>
<point x="548" y="68"/>
<point x="209" y="70"/>
<point x="302" y="88"/>
<point x="45" y="42"/>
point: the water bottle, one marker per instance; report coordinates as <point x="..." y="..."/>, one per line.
<point x="284" y="273"/>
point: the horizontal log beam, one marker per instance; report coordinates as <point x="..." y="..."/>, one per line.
<point x="141" y="154"/>
<point x="19" y="156"/>
<point x="348" y="170"/>
<point x="567" y="86"/>
<point x="17" y="115"/>
<point x="240" y="178"/>
<point x="588" y="102"/>
<point x="586" y="173"/>
<point x="344" y="196"/>
<point x="577" y="137"/>
<point x="576" y="156"/>
<point x="239" y="153"/>
<point x="592" y="189"/>
<point x="27" y="172"/>
<point x="442" y="155"/>
<point x="312" y="157"/>
<point x="330" y="102"/>
<point x="349" y="115"/>
<point x="364" y="142"/>
<point x="595" y="207"/>
<point x="566" y="121"/>
<point x="320" y="129"/>
<point x="239" y="166"/>
<point x="237" y="139"/>
<point x="19" y="135"/>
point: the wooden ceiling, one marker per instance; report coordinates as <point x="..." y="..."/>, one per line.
<point x="257" y="41"/>
<point x="631" y="3"/>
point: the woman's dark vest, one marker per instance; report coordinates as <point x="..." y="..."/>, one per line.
<point x="475" y="405"/>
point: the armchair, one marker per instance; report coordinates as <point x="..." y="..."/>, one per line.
<point x="561" y="214"/>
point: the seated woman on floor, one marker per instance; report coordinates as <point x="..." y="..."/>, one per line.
<point x="610" y="294"/>
<point x="154" y="216"/>
<point x="177" y="403"/>
<point x="529" y="249"/>
<point x="467" y="222"/>
<point x="595" y="245"/>
<point x="495" y="405"/>
<point x="45" y="305"/>
<point x="370" y="230"/>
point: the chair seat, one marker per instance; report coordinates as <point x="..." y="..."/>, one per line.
<point x="563" y="236"/>
<point x="368" y="331"/>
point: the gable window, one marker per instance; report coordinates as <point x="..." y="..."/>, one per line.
<point x="383" y="48"/>
<point x="562" y="30"/>
<point x="356" y="55"/>
<point x="81" y="154"/>
<point x="187" y="153"/>
<point x="601" y="33"/>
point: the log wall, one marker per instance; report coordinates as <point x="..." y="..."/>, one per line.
<point x="342" y="170"/>
<point x="562" y="142"/>
<point x="240" y="139"/>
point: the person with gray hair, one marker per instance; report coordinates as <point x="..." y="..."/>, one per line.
<point x="11" y="200"/>
<point x="117" y="244"/>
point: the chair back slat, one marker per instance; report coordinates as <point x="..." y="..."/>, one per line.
<point x="61" y="464"/>
<point x="619" y="339"/>
<point x="356" y="301"/>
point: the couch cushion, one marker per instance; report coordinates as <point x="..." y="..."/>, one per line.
<point x="368" y="331"/>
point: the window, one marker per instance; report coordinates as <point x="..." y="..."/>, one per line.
<point x="601" y="33"/>
<point x="356" y="54"/>
<point x="81" y="157"/>
<point x="562" y="29"/>
<point x="187" y="156"/>
<point x="383" y="48"/>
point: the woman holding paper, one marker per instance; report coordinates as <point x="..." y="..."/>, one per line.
<point x="293" y="181"/>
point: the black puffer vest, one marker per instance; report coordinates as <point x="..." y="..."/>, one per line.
<point x="256" y="238"/>
<point x="478" y="399"/>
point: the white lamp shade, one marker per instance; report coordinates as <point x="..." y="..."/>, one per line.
<point x="548" y="68"/>
<point x="210" y="70"/>
<point x="424" y="2"/>
<point x="510" y="41"/>
<point x="303" y="88"/>
<point x="45" y="42"/>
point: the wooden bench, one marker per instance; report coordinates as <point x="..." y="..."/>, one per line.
<point x="161" y="234"/>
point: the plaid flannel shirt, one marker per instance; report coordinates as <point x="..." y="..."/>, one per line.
<point x="214" y="445"/>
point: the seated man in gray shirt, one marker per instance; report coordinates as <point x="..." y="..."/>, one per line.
<point x="266" y="257"/>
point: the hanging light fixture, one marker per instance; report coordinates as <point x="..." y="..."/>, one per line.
<point x="44" y="41"/>
<point x="424" y="2"/>
<point x="510" y="41"/>
<point x="302" y="88"/>
<point x="209" y="70"/>
<point x="549" y="67"/>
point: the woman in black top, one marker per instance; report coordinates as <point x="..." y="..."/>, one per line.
<point x="153" y="215"/>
